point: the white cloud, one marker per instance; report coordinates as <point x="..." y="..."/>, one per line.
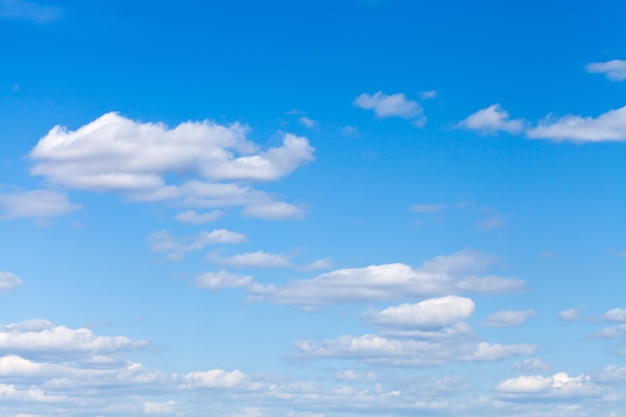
<point x="164" y="241"/>
<point x="9" y="281"/>
<point x="308" y="123"/>
<point x="615" y="314"/>
<point x="612" y="332"/>
<point x="558" y="385"/>
<point x="571" y="314"/>
<point x="216" y="378"/>
<point x="36" y="203"/>
<point x="427" y="95"/>
<point x="611" y="374"/>
<point x="509" y="318"/>
<point x="427" y="314"/>
<point x="41" y="337"/>
<point x="262" y="259"/>
<point x="273" y="210"/>
<point x="428" y="208"/>
<point x="491" y="120"/>
<point x="529" y="365"/>
<point x="117" y="154"/>
<point x="615" y="70"/>
<point x="607" y="127"/>
<point x="453" y="274"/>
<point x="375" y="349"/>
<point x="222" y="279"/>
<point x="389" y="105"/>
<point x="29" y="10"/>
<point x="193" y="217"/>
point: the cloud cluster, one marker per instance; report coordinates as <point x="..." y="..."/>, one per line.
<point x="452" y="274"/>
<point x="138" y="160"/>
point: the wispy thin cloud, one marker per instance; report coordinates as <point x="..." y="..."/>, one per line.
<point x="29" y="10"/>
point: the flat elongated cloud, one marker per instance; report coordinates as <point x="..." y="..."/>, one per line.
<point x="221" y="279"/>
<point x="117" y="154"/>
<point x="375" y="349"/>
<point x="607" y="127"/>
<point x="9" y="281"/>
<point x="453" y="274"/>
<point x="193" y="217"/>
<point x="389" y="105"/>
<point x="615" y="70"/>
<point x="509" y="318"/>
<point x="262" y="259"/>
<point x="39" y="204"/>
<point x="491" y="120"/>
<point x="615" y="314"/>
<point x="29" y="10"/>
<point x="558" y="385"/>
<point x="427" y="314"/>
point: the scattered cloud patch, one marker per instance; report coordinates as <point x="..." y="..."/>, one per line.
<point x="307" y="122"/>
<point x="164" y="241"/>
<point x="508" y="318"/>
<point x="194" y="217"/>
<point x="452" y="274"/>
<point x="607" y="127"/>
<point x="492" y="120"/>
<point x="572" y="314"/>
<point x="132" y="158"/>
<point x="615" y="314"/>
<point x="9" y="281"/>
<point x="614" y="70"/>
<point x="394" y="105"/>
<point x="39" y="204"/>
<point x="262" y="259"/>
<point x="29" y="10"/>
<point x="427" y="95"/>
<point x="222" y="279"/>
<point x="427" y="314"/>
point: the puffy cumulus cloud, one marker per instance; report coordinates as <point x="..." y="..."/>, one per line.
<point x="456" y="273"/>
<point x="217" y="378"/>
<point x="39" y="204"/>
<point x="607" y="127"/>
<point x="556" y="386"/>
<point x="572" y="314"/>
<point x="427" y="314"/>
<point x="615" y="70"/>
<point x="164" y="241"/>
<point x="29" y="10"/>
<point x="262" y="259"/>
<point x="35" y="338"/>
<point x="615" y="314"/>
<point x="194" y="217"/>
<point x="375" y="349"/>
<point x="491" y="120"/>
<point x="389" y="105"/>
<point x="9" y="281"/>
<point x="114" y="153"/>
<point x="222" y="279"/>
<point x="508" y="318"/>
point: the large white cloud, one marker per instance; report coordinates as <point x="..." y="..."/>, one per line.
<point x="389" y="105"/>
<point x="36" y="203"/>
<point x="114" y="153"/>
<point x="615" y="70"/>
<point x="9" y="281"/>
<point x="453" y="274"/>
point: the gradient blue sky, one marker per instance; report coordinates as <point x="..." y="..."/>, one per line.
<point x="312" y="209"/>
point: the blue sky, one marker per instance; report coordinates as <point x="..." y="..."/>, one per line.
<point x="312" y="209"/>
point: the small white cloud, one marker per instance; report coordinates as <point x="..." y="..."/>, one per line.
<point x="308" y="123"/>
<point x="508" y="318"/>
<point x="607" y="127"/>
<point x="193" y="217"/>
<point x="558" y="385"/>
<point x="615" y="314"/>
<point x="428" y="208"/>
<point x="389" y="105"/>
<point x="349" y="131"/>
<point x="531" y="365"/>
<point x="39" y="204"/>
<point x="615" y="70"/>
<point x="273" y="210"/>
<point x="612" y="332"/>
<point x="491" y="120"/>
<point x="29" y="10"/>
<point x="427" y="95"/>
<point x="427" y="314"/>
<point x="154" y="407"/>
<point x="262" y="259"/>
<point x="217" y="379"/>
<point x="572" y="314"/>
<point x="9" y="281"/>
<point x="164" y="241"/>
<point x="222" y="279"/>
